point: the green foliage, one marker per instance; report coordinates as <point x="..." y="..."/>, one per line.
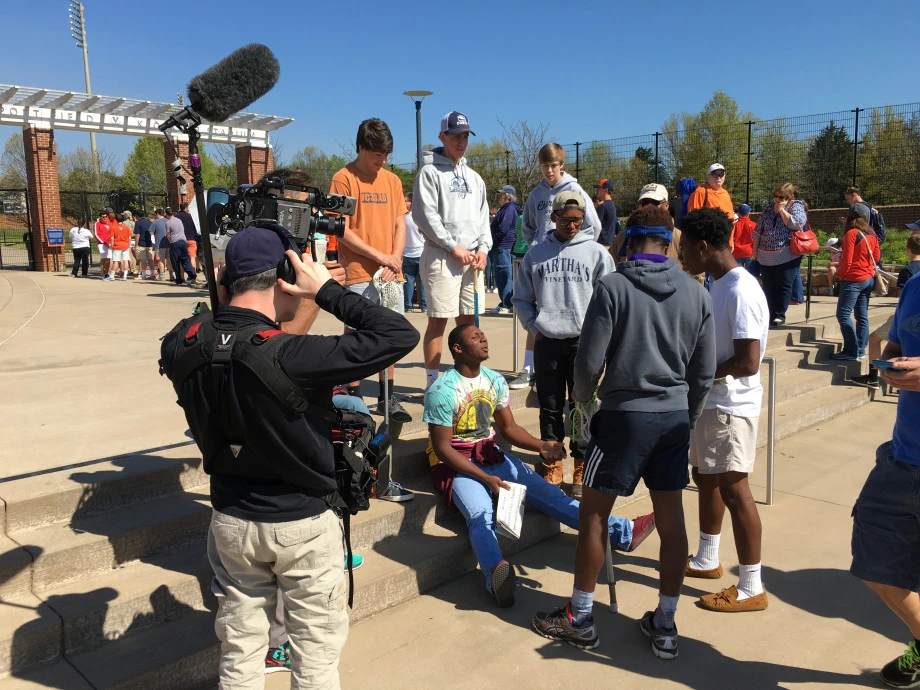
<point x="889" y="158"/>
<point x="407" y="177"/>
<point x="75" y="171"/>
<point x="828" y="167"/>
<point x="145" y="168"/>
<point x="488" y="159"/>
<point x="13" y="163"/>
<point x="320" y="165"/>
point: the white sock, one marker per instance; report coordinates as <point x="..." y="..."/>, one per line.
<point x="749" y="584"/>
<point x="431" y="375"/>
<point x="582" y="602"/>
<point x="707" y="556"/>
<point x="111" y="274"/>
<point x="124" y="274"/>
<point x="664" y="614"/>
<point x="528" y="361"/>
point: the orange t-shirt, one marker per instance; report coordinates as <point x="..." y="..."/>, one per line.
<point x="380" y="204"/>
<point x="713" y="198"/>
<point x="741" y="236"/>
<point x="121" y="236"/>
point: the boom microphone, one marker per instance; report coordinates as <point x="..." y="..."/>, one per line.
<point x="241" y="78"/>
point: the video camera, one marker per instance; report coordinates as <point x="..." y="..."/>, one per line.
<point x="265" y="201"/>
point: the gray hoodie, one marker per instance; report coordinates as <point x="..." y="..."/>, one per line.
<point x="560" y="278"/>
<point x="539" y="206"/>
<point x="651" y="325"/>
<point x="450" y="205"/>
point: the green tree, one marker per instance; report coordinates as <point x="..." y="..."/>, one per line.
<point x="75" y="171"/>
<point x="488" y="159"/>
<point x="145" y="168"/>
<point x="13" y="163"/>
<point x="320" y="165"/>
<point x="778" y="158"/>
<point x="889" y="159"/>
<point x="828" y="167"/>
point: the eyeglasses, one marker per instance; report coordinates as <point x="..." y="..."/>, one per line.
<point x="718" y="173"/>
<point x="648" y="202"/>
<point x="565" y="220"/>
<point x="778" y="196"/>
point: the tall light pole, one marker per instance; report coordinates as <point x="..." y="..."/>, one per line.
<point x="78" y="33"/>
<point x="420" y="95"/>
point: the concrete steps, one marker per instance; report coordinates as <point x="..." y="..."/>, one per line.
<point x="104" y="580"/>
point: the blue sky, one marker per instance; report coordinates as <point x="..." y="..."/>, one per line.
<point x="592" y="71"/>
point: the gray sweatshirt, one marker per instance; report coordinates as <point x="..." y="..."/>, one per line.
<point x="450" y="205"/>
<point x="537" y="223"/>
<point x="555" y="282"/>
<point x="651" y="326"/>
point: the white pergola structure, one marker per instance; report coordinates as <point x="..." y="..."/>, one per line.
<point x="40" y="111"/>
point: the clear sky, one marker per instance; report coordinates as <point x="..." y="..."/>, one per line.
<point x="592" y="71"/>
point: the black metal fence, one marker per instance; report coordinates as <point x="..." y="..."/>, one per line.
<point x="77" y="205"/>
<point x="15" y="249"/>
<point x="876" y="148"/>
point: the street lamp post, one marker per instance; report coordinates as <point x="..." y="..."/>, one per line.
<point x="78" y="33"/>
<point x="420" y="95"/>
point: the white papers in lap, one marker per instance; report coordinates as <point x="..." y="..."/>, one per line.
<point x="511" y="510"/>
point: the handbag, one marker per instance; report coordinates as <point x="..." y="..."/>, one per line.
<point x="803" y="242"/>
<point x="880" y="288"/>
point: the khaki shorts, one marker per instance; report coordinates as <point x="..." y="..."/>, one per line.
<point x="723" y="442"/>
<point x="144" y="254"/>
<point x="883" y="330"/>
<point x="448" y="285"/>
<point x="162" y="254"/>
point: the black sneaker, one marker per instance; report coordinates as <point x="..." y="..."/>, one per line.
<point x="904" y="672"/>
<point x="559" y="625"/>
<point x="397" y="411"/>
<point x="503" y="579"/>
<point x="395" y="493"/>
<point x="664" y="642"/>
<point x="867" y="380"/>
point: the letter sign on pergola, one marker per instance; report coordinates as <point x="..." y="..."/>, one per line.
<point x="40" y="111"/>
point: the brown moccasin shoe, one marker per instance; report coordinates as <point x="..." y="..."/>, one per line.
<point x="552" y="472"/>
<point x="712" y="574"/>
<point x="726" y="601"/>
<point x="577" y="477"/>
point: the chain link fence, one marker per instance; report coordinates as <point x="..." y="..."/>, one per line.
<point x="15" y="249"/>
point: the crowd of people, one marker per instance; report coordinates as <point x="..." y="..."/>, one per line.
<point x="653" y="332"/>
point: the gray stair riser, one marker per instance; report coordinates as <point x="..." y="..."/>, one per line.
<point x="111" y="494"/>
<point x="789" y="425"/>
<point x="34" y="643"/>
<point x="15" y="573"/>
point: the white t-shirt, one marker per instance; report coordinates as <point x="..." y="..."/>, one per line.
<point x="80" y="237"/>
<point x="740" y="312"/>
<point x="414" y="240"/>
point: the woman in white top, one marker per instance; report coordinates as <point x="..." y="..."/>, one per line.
<point x="80" y="238"/>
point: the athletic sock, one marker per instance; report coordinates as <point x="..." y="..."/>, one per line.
<point x="582" y="602"/>
<point x="664" y="614"/>
<point x="528" y="361"/>
<point x="749" y="584"/>
<point x="873" y="373"/>
<point x="431" y="375"/>
<point x="707" y="556"/>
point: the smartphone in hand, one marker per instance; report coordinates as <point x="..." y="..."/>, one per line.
<point x="885" y="364"/>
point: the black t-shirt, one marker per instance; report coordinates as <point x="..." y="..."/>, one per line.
<point x="299" y="449"/>
<point x="607" y="213"/>
<point x="142" y="230"/>
<point x="188" y="223"/>
<point x="908" y="272"/>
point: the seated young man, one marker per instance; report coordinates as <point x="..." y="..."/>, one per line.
<point x="468" y="467"/>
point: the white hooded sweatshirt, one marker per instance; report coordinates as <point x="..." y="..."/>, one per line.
<point x="539" y="206"/>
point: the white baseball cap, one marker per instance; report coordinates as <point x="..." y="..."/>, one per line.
<point x="714" y="167"/>
<point x="656" y="192"/>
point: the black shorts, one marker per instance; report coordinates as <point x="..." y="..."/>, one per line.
<point x="627" y="446"/>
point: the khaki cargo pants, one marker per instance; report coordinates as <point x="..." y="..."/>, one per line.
<point x="304" y="561"/>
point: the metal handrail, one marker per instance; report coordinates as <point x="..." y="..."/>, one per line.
<point x="771" y="424"/>
<point x="515" y="267"/>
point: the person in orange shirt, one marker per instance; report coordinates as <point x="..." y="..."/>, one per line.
<point x="121" y="246"/>
<point x="371" y="249"/>
<point x="741" y="237"/>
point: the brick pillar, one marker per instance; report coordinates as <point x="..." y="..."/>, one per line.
<point x="252" y="163"/>
<point x="44" y="195"/>
<point x="172" y="184"/>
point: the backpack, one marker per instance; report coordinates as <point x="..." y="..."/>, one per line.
<point x="877" y="223"/>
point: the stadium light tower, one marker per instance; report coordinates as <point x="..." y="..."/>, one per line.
<point x="78" y="33"/>
<point x="420" y="95"/>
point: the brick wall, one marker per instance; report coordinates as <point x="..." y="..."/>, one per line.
<point x="172" y="184"/>
<point x="828" y="219"/>
<point x="252" y="163"/>
<point x="44" y="195"/>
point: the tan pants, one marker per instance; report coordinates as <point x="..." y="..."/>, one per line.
<point x="251" y="562"/>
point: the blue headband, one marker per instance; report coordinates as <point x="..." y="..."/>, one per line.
<point x="637" y="230"/>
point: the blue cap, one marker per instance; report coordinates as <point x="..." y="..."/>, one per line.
<point x="455" y="122"/>
<point x="914" y="226"/>
<point x="253" y="251"/>
<point x="744" y="209"/>
<point x="508" y="189"/>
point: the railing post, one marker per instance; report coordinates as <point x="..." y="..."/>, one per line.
<point x="747" y="183"/>
<point x="577" y="160"/>
<point x="808" y="290"/>
<point x="856" y="143"/>
<point x="507" y="166"/>
<point x="771" y="423"/>
<point x="515" y="267"/>
<point x="657" y="134"/>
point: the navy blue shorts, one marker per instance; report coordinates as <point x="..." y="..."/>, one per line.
<point x="627" y="446"/>
<point x="886" y="524"/>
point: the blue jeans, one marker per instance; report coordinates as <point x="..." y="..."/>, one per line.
<point x="410" y="271"/>
<point x="489" y="277"/>
<point x="350" y="402"/>
<point x="178" y="255"/>
<point x="501" y="269"/>
<point x="854" y="296"/>
<point x="777" y="286"/>
<point x="744" y="263"/>
<point x="476" y="505"/>
<point x="798" y="290"/>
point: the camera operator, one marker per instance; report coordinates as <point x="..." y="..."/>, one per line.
<point x="272" y="471"/>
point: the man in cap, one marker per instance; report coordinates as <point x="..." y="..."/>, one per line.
<point x="451" y="208"/>
<point x="606" y="212"/>
<point x="650" y="398"/>
<point x="713" y="194"/>
<point x="503" y="228"/>
<point x="271" y="470"/>
<point x="652" y="194"/>
<point x="178" y="249"/>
